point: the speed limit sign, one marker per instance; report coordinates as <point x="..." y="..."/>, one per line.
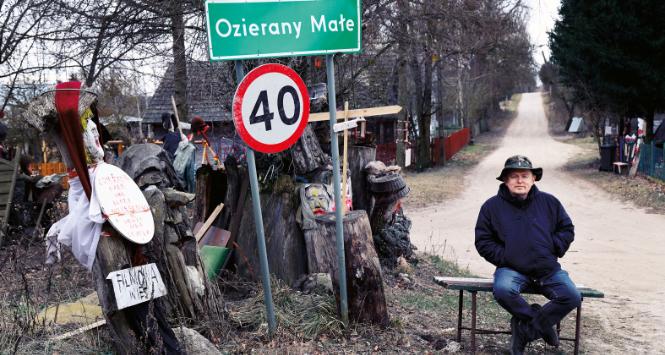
<point x="271" y="108"/>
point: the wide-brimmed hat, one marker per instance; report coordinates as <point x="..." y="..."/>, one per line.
<point x="520" y="162"/>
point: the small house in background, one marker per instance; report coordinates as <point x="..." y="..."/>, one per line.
<point x="210" y="90"/>
<point x="576" y="125"/>
<point x="659" y="129"/>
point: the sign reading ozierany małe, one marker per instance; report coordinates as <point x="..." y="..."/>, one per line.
<point x="241" y="29"/>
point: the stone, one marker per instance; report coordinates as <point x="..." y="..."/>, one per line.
<point x="193" y="342"/>
<point x="320" y="283"/>
<point x="403" y="266"/>
<point x="452" y="347"/>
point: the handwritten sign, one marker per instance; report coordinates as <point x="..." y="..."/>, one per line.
<point x="136" y="285"/>
<point x="123" y="203"/>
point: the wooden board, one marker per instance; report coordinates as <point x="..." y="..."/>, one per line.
<point x="201" y="232"/>
<point x="363" y="112"/>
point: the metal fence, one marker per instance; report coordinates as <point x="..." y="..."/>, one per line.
<point x="652" y="161"/>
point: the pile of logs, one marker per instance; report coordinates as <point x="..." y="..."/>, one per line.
<point x="294" y="251"/>
<point x="300" y="241"/>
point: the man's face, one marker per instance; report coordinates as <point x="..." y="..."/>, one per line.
<point x="519" y="182"/>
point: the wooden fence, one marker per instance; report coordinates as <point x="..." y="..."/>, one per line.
<point x="447" y="147"/>
<point x="53" y="168"/>
<point x="456" y="141"/>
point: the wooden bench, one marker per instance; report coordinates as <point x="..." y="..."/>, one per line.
<point x="475" y="285"/>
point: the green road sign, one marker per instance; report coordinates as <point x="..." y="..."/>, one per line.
<point x="246" y="29"/>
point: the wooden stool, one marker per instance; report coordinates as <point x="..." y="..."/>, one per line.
<point x="618" y="165"/>
<point x="475" y="285"/>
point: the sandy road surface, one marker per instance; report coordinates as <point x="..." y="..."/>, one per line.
<point x="618" y="248"/>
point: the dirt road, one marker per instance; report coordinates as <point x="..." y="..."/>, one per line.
<point x="618" y="248"/>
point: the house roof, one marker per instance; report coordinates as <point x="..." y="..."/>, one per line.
<point x="210" y="89"/>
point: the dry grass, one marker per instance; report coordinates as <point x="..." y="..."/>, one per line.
<point x="304" y="316"/>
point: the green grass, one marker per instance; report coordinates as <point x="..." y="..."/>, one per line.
<point x="448" y="268"/>
<point x="445" y="302"/>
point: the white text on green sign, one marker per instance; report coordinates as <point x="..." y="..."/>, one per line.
<point x="241" y="29"/>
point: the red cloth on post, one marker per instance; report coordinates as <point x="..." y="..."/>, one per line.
<point x="69" y="121"/>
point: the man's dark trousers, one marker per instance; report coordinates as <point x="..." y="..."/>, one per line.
<point x="557" y="287"/>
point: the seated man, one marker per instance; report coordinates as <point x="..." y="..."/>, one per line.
<point x="523" y="231"/>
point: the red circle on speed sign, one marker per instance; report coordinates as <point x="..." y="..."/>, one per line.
<point x="271" y="108"/>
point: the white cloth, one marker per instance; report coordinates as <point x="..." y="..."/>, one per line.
<point x="91" y="142"/>
<point x="81" y="228"/>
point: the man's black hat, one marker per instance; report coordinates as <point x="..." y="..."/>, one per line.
<point x="520" y="162"/>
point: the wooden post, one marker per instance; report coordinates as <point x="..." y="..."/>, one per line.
<point x="367" y="301"/>
<point x="359" y="156"/>
<point x="345" y="158"/>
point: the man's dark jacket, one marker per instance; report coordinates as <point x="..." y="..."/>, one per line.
<point x="526" y="235"/>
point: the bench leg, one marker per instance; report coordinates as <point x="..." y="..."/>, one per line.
<point x="473" y="321"/>
<point x="459" y="316"/>
<point x="578" y="322"/>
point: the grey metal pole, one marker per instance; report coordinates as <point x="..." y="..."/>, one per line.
<point x="258" y="220"/>
<point x="334" y="149"/>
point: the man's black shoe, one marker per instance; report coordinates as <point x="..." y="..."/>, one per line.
<point x="518" y="340"/>
<point x="549" y="334"/>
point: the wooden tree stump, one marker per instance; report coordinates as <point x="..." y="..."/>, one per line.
<point x="367" y="302"/>
<point x="112" y="256"/>
<point x="284" y="240"/>
<point x="359" y="156"/>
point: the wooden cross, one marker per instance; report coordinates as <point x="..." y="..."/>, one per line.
<point x="346" y="114"/>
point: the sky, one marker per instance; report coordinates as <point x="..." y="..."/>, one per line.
<point x="542" y="15"/>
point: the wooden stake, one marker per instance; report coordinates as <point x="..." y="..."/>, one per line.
<point x="345" y="157"/>
<point x="78" y="331"/>
<point x="175" y="112"/>
<point x="44" y="151"/>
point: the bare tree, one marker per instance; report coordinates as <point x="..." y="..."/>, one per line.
<point x="22" y="26"/>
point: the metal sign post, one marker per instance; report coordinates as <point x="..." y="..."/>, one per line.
<point x="242" y="29"/>
<point x="267" y="130"/>
<point x="258" y="220"/>
<point x="334" y="150"/>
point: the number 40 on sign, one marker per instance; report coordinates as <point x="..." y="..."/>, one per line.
<point x="271" y="108"/>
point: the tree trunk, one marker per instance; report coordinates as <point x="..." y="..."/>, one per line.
<point x="441" y="97"/>
<point x="112" y="256"/>
<point x="211" y="187"/>
<point x="366" y="299"/>
<point x="382" y="214"/>
<point x="425" y="109"/>
<point x="402" y="86"/>
<point x="359" y="156"/>
<point x="307" y="153"/>
<point x="174" y="250"/>
<point x="648" y="127"/>
<point x="179" y="60"/>
<point x="234" y="180"/>
<point x="285" y="245"/>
